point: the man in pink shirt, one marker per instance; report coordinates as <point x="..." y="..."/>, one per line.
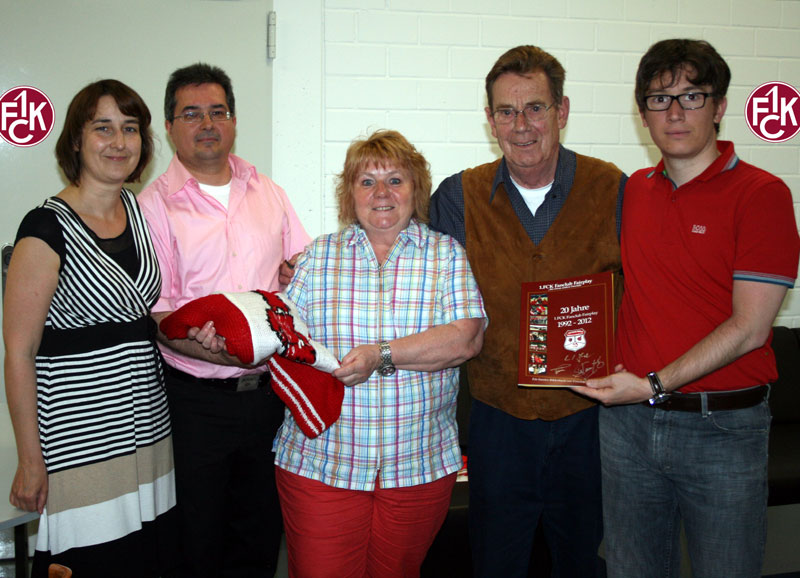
<point x="218" y="226"/>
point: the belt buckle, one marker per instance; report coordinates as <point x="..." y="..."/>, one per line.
<point x="248" y="382"/>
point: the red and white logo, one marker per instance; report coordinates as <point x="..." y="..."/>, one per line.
<point x="772" y="111"/>
<point x="575" y="339"/>
<point x="26" y="116"/>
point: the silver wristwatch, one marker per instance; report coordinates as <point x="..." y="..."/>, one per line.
<point x="386" y="368"/>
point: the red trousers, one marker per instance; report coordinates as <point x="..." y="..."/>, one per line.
<point x="337" y="533"/>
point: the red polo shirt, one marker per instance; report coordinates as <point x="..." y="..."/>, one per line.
<point x="683" y="247"/>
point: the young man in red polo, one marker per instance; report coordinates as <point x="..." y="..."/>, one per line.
<point x="709" y="248"/>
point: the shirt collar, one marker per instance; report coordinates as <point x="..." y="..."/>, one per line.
<point x="178" y="176"/>
<point x="354" y="234"/>
<point x="504" y="176"/>
<point x="726" y="161"/>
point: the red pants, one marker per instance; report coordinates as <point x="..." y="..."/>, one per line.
<point x="337" y="533"/>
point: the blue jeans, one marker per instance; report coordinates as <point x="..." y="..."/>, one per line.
<point x="707" y="469"/>
<point x="523" y="470"/>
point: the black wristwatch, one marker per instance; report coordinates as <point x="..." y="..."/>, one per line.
<point x="386" y="368"/>
<point x="660" y="395"/>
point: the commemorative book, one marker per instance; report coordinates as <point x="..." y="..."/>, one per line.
<point x="566" y="330"/>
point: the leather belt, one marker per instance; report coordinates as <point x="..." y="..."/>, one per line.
<point x="243" y="383"/>
<point x="716" y="400"/>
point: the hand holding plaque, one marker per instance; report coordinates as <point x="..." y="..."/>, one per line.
<point x="566" y="330"/>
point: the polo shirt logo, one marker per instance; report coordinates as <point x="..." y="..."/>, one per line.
<point x="699" y="229"/>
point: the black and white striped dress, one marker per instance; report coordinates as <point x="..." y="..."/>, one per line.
<point x="103" y="417"/>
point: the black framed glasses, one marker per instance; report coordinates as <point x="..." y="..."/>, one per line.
<point x="687" y="100"/>
<point x="531" y="113"/>
<point x="195" y="116"/>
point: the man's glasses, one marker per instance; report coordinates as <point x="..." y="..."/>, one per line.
<point x="195" y="116"/>
<point x="532" y="113"/>
<point x="687" y="100"/>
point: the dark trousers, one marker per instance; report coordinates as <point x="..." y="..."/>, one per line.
<point x="225" y="478"/>
<point x="521" y="471"/>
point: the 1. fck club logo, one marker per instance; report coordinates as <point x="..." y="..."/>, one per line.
<point x="772" y="111"/>
<point x="26" y="116"/>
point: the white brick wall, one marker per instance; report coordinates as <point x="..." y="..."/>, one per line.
<point x="418" y="66"/>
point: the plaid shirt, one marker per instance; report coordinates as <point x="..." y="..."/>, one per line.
<point x="401" y="428"/>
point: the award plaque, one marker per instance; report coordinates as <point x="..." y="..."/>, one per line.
<point x="566" y="331"/>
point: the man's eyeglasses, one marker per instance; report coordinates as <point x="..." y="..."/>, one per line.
<point x="687" y="100"/>
<point x="532" y="113"/>
<point x="195" y="116"/>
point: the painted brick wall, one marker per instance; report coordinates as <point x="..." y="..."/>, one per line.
<point x="418" y="66"/>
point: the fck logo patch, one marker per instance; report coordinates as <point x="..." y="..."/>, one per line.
<point x="26" y="116"/>
<point x="772" y="111"/>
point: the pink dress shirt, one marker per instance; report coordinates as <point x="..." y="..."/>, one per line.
<point x="203" y="248"/>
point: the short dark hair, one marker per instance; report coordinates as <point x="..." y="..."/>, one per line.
<point x="380" y="148"/>
<point x="670" y="57"/>
<point x="195" y="75"/>
<point x="81" y="110"/>
<point x="525" y="60"/>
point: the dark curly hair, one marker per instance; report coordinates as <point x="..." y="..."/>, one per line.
<point x="668" y="58"/>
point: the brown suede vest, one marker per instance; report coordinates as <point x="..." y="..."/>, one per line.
<point x="582" y="240"/>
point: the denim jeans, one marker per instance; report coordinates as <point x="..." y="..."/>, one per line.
<point x="523" y="470"/>
<point x="708" y="470"/>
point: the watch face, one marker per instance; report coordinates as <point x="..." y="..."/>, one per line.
<point x="387" y="370"/>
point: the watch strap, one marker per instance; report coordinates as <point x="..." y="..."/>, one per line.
<point x="386" y="353"/>
<point x="386" y="367"/>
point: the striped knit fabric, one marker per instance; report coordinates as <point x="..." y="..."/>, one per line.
<point x="260" y="324"/>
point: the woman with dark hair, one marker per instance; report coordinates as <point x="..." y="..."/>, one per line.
<point x="397" y="303"/>
<point x="83" y="377"/>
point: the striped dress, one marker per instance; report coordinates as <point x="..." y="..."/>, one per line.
<point x="103" y="417"/>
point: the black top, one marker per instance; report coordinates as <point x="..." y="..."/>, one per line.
<point x="43" y="224"/>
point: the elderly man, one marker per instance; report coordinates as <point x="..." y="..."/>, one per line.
<point x="710" y="247"/>
<point x="541" y="212"/>
<point x="218" y="225"/>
